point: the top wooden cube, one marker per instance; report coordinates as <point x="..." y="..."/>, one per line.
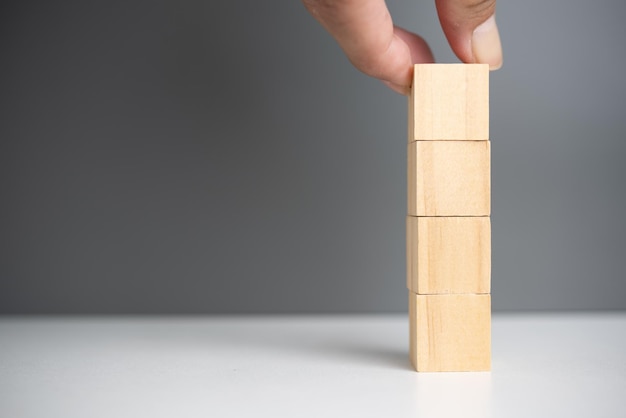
<point x="449" y="102"/>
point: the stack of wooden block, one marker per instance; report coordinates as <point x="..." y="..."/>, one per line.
<point x="448" y="223"/>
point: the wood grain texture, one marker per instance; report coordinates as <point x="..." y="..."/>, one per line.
<point x="449" y="102"/>
<point x="450" y="332"/>
<point x="449" y="178"/>
<point x="448" y="254"/>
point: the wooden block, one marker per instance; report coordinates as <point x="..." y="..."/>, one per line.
<point x="448" y="254"/>
<point x="449" y="102"/>
<point x="450" y="332"/>
<point x="449" y="178"/>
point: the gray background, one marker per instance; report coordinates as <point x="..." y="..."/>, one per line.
<point x="224" y="157"/>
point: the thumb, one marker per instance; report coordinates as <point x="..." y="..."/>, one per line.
<point x="470" y="26"/>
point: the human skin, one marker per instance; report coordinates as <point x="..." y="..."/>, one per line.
<point x="365" y="31"/>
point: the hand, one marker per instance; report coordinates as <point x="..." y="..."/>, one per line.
<point x="365" y="31"/>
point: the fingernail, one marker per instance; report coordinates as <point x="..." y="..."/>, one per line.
<point x="486" y="45"/>
<point x="404" y="90"/>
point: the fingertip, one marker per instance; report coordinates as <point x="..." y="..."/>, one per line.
<point x="486" y="45"/>
<point x="418" y="48"/>
<point x="416" y="51"/>
<point x="403" y="90"/>
<point x="395" y="66"/>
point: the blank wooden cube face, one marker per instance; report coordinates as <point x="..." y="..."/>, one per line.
<point x="450" y="332"/>
<point x="449" y="102"/>
<point x="448" y="254"/>
<point x="449" y="178"/>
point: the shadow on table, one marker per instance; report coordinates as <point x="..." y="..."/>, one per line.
<point x="366" y="355"/>
<point x="345" y="342"/>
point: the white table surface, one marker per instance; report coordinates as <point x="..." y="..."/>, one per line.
<point x="565" y="365"/>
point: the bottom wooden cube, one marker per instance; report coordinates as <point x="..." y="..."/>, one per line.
<point x="450" y="332"/>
